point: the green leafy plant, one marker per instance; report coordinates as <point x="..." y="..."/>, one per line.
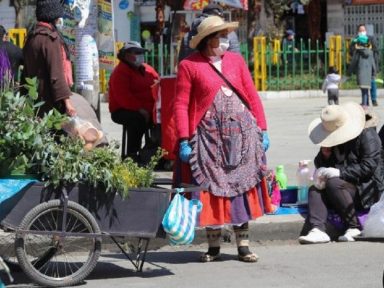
<point x="24" y="135"/>
<point x="33" y="145"/>
<point x="69" y="163"/>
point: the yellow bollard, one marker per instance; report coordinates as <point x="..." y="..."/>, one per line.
<point x="276" y="45"/>
<point x="17" y="36"/>
<point x="260" y="65"/>
<point x="336" y="52"/>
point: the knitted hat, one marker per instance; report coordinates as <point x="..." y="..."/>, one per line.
<point x="49" y="10"/>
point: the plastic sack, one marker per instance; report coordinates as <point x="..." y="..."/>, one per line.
<point x="374" y="224"/>
<point x="78" y="127"/>
<point x="10" y="187"/>
<point x="179" y="220"/>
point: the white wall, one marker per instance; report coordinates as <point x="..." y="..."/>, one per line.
<point x="335" y="17"/>
<point x="121" y="22"/>
<point x="7" y="15"/>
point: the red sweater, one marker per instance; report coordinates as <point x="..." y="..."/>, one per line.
<point x="197" y="85"/>
<point x="129" y="89"/>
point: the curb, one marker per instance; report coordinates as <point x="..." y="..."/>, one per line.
<point x="265" y="228"/>
<point x="288" y="94"/>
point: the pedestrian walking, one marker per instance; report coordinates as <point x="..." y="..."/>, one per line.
<point x="288" y="57"/>
<point x="131" y="101"/>
<point x="362" y="31"/>
<point x="46" y="57"/>
<point x="222" y="136"/>
<point x="363" y="65"/>
<point x="331" y="86"/>
<point x="349" y="169"/>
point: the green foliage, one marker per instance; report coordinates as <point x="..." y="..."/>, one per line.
<point x="24" y="135"/>
<point x="33" y="145"/>
<point x="68" y="162"/>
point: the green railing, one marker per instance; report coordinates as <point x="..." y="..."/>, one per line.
<point x="300" y="69"/>
<point x="305" y="66"/>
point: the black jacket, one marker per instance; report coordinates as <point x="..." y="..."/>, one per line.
<point x="360" y="163"/>
<point x="15" y="55"/>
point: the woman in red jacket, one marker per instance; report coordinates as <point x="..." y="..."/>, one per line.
<point x="130" y="94"/>
<point x="222" y="136"/>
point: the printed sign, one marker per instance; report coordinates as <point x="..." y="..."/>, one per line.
<point x="105" y="36"/>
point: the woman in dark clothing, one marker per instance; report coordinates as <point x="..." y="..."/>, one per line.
<point x="349" y="165"/>
<point x="14" y="53"/>
<point x="46" y="58"/>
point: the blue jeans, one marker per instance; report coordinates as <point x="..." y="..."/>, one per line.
<point x="373" y="90"/>
<point x="364" y="97"/>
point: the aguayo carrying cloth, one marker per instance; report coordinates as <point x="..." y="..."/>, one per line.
<point x="180" y="219"/>
<point x="226" y="150"/>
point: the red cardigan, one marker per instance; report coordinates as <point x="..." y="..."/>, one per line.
<point x="197" y="85"/>
<point x="131" y="90"/>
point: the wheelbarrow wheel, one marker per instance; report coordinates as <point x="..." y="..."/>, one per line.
<point x="55" y="259"/>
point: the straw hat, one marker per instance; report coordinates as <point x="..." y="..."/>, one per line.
<point x="211" y="25"/>
<point x="337" y="124"/>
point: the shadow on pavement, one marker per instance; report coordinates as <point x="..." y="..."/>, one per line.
<point x="175" y="257"/>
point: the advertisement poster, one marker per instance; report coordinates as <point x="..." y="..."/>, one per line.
<point x="69" y="29"/>
<point x="105" y="35"/>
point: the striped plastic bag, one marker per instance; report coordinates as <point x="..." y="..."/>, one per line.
<point x="179" y="220"/>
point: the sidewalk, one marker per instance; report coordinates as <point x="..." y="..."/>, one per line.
<point x="288" y="119"/>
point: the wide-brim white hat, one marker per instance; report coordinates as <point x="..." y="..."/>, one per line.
<point x="337" y="124"/>
<point x="211" y="25"/>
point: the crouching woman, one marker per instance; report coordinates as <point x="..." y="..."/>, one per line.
<point x="348" y="176"/>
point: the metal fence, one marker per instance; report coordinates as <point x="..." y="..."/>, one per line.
<point x="304" y="66"/>
<point x="274" y="67"/>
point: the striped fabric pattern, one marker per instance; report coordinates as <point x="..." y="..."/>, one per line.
<point x="180" y="219"/>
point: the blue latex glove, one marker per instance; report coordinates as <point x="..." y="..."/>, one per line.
<point x="185" y="151"/>
<point x="265" y="141"/>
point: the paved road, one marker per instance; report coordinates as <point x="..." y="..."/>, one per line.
<point x="288" y="120"/>
<point x="281" y="265"/>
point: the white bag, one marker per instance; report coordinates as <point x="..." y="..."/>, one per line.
<point x="374" y="225"/>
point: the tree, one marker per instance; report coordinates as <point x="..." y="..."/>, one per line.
<point x="18" y="5"/>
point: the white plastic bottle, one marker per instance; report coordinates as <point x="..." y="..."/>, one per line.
<point x="304" y="179"/>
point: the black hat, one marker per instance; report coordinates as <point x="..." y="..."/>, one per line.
<point x="213" y="9"/>
<point x="49" y="10"/>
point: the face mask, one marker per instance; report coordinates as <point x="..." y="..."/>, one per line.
<point x="223" y="46"/>
<point x="363" y="33"/>
<point x="59" y="24"/>
<point x="139" y="60"/>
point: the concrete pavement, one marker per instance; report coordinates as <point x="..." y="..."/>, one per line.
<point x="288" y="119"/>
<point x="281" y="265"/>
